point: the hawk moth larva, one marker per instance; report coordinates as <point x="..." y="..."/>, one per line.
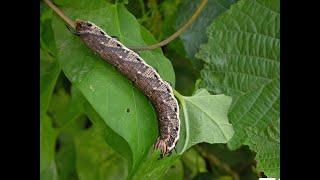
<point x="143" y="76"/>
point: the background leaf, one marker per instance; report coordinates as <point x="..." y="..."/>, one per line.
<point x="194" y="163"/>
<point x="67" y="115"/>
<point x="95" y="160"/>
<point x="49" y="72"/>
<point x="48" y="169"/>
<point x="195" y="35"/>
<point x="242" y="59"/>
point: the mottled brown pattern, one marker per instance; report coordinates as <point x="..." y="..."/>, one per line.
<point x="143" y="76"/>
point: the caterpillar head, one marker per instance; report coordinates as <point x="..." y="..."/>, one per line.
<point x="88" y="27"/>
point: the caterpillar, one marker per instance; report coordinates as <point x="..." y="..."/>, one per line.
<point x="143" y="76"/>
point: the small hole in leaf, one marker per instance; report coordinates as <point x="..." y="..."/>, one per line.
<point x="128" y="110"/>
<point x="57" y="145"/>
<point x="87" y="124"/>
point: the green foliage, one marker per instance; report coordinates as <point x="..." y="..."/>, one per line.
<point x="194" y="163"/>
<point x="267" y="145"/>
<point x="95" y="159"/>
<point x="195" y="35"/>
<point x="242" y="59"/>
<point x="48" y="135"/>
<point x="94" y="124"/>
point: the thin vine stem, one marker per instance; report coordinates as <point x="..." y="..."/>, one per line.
<point x="138" y="48"/>
<point x="173" y="36"/>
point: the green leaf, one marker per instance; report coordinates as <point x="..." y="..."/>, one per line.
<point x="66" y="155"/>
<point x="195" y="35"/>
<point x="175" y="172"/>
<point x="256" y="108"/>
<point x="242" y="59"/>
<point x="49" y="72"/>
<point x="267" y="145"/>
<point x="194" y="162"/>
<point x="95" y="160"/>
<point x="107" y="91"/>
<point x="114" y="141"/>
<point x="48" y="137"/>
<point x="65" y="109"/>
<point x="47" y="41"/>
<point x="50" y="173"/>
<point x="152" y="168"/>
<point x="204" y="119"/>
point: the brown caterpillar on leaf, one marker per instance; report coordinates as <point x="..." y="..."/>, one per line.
<point x="143" y="76"/>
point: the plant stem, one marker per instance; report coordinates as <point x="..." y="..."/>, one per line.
<point x="173" y="36"/>
<point x="60" y="13"/>
<point x="178" y="95"/>
<point x="142" y="8"/>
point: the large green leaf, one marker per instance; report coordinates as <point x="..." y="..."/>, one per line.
<point x="204" y="119"/>
<point x="242" y="59"/>
<point x="195" y="35"/>
<point x="122" y="107"/>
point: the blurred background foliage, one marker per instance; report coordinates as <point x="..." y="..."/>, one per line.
<point x="75" y="149"/>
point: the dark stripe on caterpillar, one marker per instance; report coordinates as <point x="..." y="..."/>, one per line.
<point x="143" y="76"/>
